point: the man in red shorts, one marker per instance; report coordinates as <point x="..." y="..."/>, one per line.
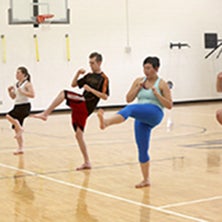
<point x="96" y="86"/>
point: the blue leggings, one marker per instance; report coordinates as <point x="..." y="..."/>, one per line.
<point x="146" y="117"/>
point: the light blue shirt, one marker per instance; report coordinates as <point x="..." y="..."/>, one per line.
<point x="147" y="96"/>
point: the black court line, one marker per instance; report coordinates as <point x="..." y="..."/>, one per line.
<point x="94" y="168"/>
<point x="205" y="147"/>
<point x="211" y="144"/>
<point x="201" y="130"/>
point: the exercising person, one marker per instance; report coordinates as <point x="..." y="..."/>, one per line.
<point x="96" y="87"/>
<point x="153" y="95"/>
<point x="21" y="92"/>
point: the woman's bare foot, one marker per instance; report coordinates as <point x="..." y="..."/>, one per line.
<point x="84" y="166"/>
<point x="19" y="133"/>
<point x="41" y="116"/>
<point x="18" y="152"/>
<point x="100" y="114"/>
<point x="144" y="183"/>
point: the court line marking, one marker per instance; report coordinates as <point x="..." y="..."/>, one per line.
<point x="169" y="212"/>
<point x="191" y="202"/>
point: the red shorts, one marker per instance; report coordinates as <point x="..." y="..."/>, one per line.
<point x="78" y="106"/>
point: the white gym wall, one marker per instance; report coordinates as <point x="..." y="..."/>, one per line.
<point x="103" y="26"/>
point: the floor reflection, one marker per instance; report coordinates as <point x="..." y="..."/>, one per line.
<point x="178" y="163"/>
<point x="145" y="211"/>
<point x="24" y="195"/>
<point x="82" y="212"/>
<point x="214" y="161"/>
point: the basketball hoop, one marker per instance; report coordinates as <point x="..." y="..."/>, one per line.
<point x="44" y="18"/>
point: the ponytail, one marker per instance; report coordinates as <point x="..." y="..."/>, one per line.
<point x="28" y="77"/>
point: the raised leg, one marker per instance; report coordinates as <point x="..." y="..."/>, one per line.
<point x="57" y="101"/>
<point x="115" y="119"/>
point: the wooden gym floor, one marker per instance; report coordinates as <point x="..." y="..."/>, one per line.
<point x="186" y="171"/>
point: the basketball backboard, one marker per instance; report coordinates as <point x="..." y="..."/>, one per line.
<point x="26" y="11"/>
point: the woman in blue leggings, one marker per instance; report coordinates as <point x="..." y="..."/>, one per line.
<point x="153" y="94"/>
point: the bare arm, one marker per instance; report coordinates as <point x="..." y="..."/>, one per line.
<point x="95" y="92"/>
<point x="28" y="90"/>
<point x="166" y="98"/>
<point x="75" y="79"/>
<point x="11" y="92"/>
<point x="219" y="82"/>
<point x="135" y="88"/>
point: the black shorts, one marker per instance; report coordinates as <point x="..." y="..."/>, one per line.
<point x="20" y="112"/>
